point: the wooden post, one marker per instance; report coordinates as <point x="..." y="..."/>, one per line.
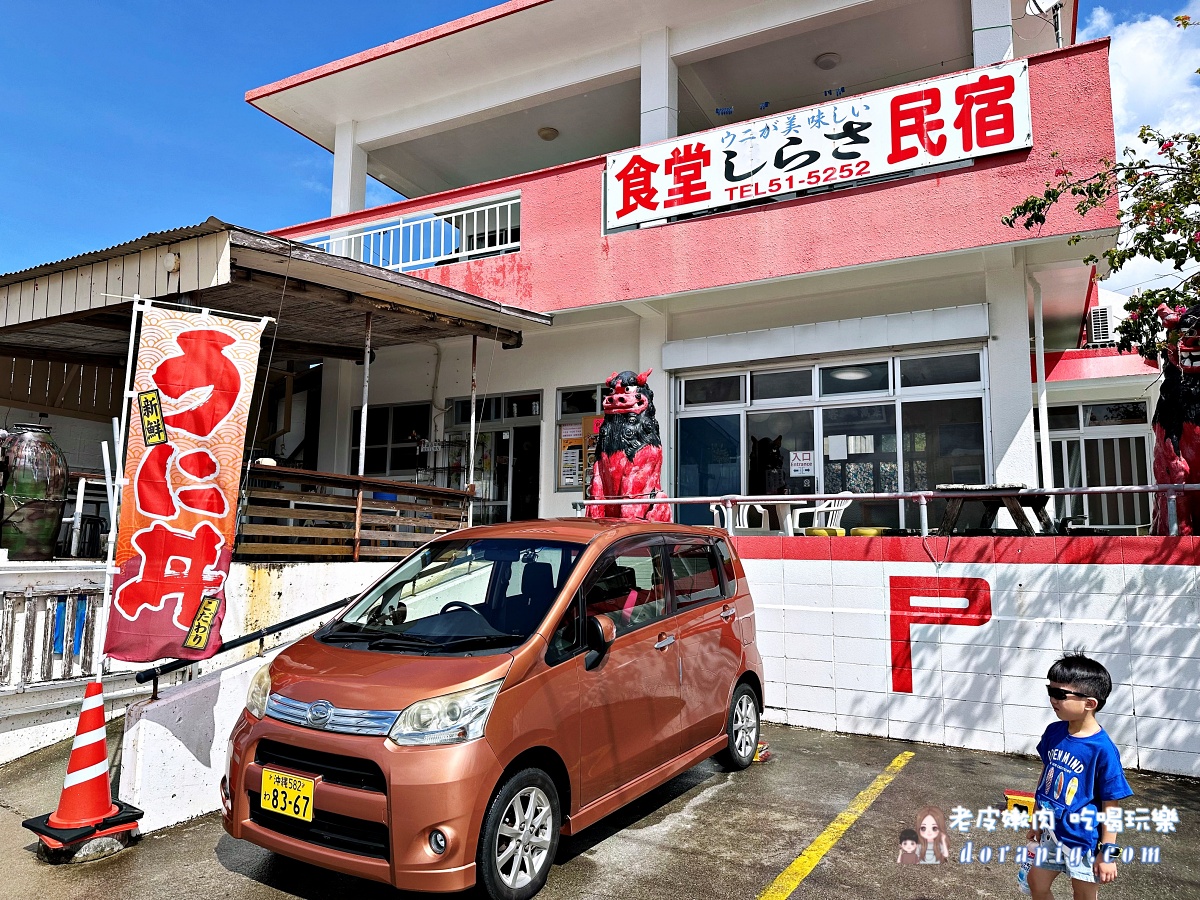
<point x="358" y="500"/>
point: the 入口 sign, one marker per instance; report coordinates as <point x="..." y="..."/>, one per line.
<point x="900" y="129"/>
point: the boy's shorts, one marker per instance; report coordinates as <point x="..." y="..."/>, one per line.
<point x="1077" y="865"/>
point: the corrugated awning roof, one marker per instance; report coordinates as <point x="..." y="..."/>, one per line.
<point x="81" y="305"/>
<point x="211" y="225"/>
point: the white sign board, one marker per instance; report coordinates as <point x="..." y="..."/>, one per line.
<point x="801" y="463"/>
<point x="900" y="129"/>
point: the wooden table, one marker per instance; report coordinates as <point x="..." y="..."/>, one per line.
<point x="1016" y="504"/>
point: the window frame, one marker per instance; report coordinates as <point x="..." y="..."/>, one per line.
<point x="656" y="543"/>
<point x="694" y="541"/>
<point x="391" y="444"/>
<point x="562" y="420"/>
<point x="896" y="396"/>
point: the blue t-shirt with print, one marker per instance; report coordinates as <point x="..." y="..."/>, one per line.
<point x="1079" y="774"/>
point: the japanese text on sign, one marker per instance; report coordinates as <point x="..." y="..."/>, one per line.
<point x="913" y="126"/>
<point x="194" y="378"/>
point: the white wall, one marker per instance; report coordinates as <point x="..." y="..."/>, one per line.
<point x="175" y="749"/>
<point x="823" y="630"/>
<point x="79" y="439"/>
<point x="566" y="355"/>
<point x="261" y="594"/>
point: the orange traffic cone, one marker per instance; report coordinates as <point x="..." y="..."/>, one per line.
<point x="86" y="808"/>
<point x="87" y="793"/>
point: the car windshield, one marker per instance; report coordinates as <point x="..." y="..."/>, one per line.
<point x="459" y="596"/>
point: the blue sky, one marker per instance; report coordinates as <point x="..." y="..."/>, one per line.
<point x="124" y="118"/>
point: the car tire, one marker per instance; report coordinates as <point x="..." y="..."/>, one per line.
<point x="741" y="730"/>
<point x="519" y="836"/>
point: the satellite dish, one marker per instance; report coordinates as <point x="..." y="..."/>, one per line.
<point x="1042" y="7"/>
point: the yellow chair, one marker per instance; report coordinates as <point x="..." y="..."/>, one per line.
<point x="869" y="532"/>
<point x="825" y="532"/>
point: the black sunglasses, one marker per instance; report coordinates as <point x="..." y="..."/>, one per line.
<point x="1060" y="694"/>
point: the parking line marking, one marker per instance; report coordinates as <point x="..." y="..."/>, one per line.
<point x="789" y="879"/>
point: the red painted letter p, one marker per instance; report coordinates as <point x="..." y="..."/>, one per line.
<point x="919" y="600"/>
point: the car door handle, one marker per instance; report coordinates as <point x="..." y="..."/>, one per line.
<point x="728" y="612"/>
<point x="664" y="641"/>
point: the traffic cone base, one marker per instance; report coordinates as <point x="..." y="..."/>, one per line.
<point x="124" y="819"/>
<point x="86" y="809"/>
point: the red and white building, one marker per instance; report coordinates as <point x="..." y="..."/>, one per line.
<point x="677" y="184"/>
<point x="792" y="213"/>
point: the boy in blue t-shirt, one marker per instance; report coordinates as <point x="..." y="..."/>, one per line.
<point x="1081" y="781"/>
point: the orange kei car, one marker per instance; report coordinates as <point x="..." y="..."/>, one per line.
<point x="500" y="687"/>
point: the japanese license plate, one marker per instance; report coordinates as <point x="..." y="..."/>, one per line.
<point x="288" y="795"/>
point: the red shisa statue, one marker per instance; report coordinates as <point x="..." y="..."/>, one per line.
<point x="628" y="452"/>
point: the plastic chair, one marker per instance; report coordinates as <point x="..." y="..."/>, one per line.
<point x="830" y="512"/>
<point x="741" y="515"/>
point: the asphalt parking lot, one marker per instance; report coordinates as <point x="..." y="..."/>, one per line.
<point x="706" y="834"/>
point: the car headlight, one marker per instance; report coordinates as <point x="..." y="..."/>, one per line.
<point x="448" y="719"/>
<point x="260" y="690"/>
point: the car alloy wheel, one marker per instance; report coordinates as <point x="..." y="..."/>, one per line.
<point x="519" y="836"/>
<point x="524" y="837"/>
<point x="745" y="726"/>
<point x="741" y="729"/>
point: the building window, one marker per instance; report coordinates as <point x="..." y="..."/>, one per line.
<point x="579" y="419"/>
<point x="1100" y="414"/>
<point x="393" y="433"/>
<point x="1062" y="418"/>
<point x="860" y="432"/>
<point x="498" y="409"/>
<point x="1101" y="445"/>
<point x="926" y="371"/>
<point x="714" y="389"/>
<point x="780" y="385"/>
<point x="858" y="378"/>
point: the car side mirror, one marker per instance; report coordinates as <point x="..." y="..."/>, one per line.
<point x="601" y="632"/>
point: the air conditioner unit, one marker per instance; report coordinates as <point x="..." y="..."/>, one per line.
<point x="1100" y="326"/>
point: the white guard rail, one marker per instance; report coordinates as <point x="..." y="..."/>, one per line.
<point x="432" y="237"/>
<point x="729" y="503"/>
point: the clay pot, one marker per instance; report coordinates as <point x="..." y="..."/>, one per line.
<point x="34" y="476"/>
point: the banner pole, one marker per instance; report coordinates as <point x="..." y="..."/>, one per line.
<point x="362" y="419"/>
<point x="114" y="476"/>
<point x="471" y="440"/>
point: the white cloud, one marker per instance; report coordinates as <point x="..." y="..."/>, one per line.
<point x="1153" y="70"/>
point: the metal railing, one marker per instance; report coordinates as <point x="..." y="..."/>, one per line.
<point x="259" y="636"/>
<point x="432" y="237"/>
<point x="48" y="635"/>
<point x="729" y="503"/>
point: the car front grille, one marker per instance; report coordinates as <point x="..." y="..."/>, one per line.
<point x="348" y="771"/>
<point x="327" y="829"/>
<point x="345" y="721"/>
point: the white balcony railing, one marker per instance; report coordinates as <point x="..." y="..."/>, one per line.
<point x="432" y="237"/>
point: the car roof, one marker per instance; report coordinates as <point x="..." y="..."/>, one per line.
<point x="583" y="530"/>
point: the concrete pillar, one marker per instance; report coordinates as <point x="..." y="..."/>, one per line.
<point x="991" y="31"/>
<point x="341" y="391"/>
<point x="349" y="171"/>
<point x="660" y="88"/>
<point x="652" y="334"/>
<point x="1011" y="407"/>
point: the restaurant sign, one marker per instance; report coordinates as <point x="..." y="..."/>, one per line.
<point x="900" y="129"/>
